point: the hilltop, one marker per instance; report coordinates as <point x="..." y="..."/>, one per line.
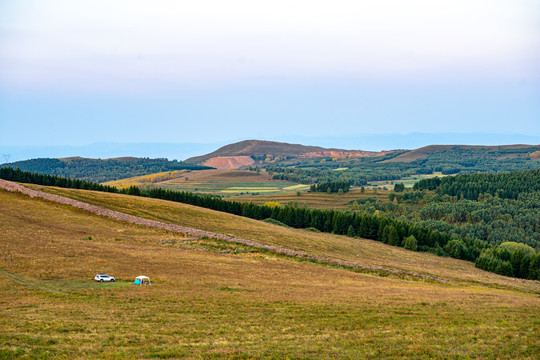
<point x="258" y="150"/>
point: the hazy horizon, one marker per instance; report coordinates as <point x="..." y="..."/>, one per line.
<point x="182" y="151"/>
<point x="77" y="73"/>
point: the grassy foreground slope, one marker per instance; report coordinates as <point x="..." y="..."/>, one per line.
<point x="363" y="251"/>
<point x="209" y="304"/>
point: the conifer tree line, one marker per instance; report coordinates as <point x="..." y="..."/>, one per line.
<point x="331" y="186"/>
<point x="506" y="185"/>
<point x="8" y="173"/>
<point x="102" y="170"/>
<point x="389" y="231"/>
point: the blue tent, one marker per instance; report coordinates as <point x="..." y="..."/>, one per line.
<point x="142" y="280"/>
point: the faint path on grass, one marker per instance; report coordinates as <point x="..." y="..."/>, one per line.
<point x="14" y="187"/>
<point x="30" y="283"/>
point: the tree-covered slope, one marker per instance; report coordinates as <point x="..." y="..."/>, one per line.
<point x="506" y="185"/>
<point x="445" y="159"/>
<point x="501" y="210"/>
<point x="101" y="170"/>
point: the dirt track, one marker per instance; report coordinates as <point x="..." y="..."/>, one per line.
<point x="14" y="187"/>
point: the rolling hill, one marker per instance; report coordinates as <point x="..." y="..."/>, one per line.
<point x="514" y="151"/>
<point x="259" y="150"/>
<point x="256" y="148"/>
<point x="452" y="157"/>
<point x="211" y="299"/>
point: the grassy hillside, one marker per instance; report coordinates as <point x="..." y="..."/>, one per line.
<point x="209" y="304"/>
<point x="146" y="180"/>
<point x="341" y="247"/>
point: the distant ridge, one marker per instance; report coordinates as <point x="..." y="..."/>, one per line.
<point x="256" y="148"/>
<point x="425" y="151"/>
<point x="123" y="158"/>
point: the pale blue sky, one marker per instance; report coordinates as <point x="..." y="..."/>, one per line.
<point x="78" y="72"/>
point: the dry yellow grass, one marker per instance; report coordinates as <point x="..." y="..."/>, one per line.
<point x="146" y="180"/>
<point x="213" y="176"/>
<point x="342" y="247"/>
<point x="212" y="305"/>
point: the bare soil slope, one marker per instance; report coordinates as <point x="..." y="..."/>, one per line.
<point x="229" y="162"/>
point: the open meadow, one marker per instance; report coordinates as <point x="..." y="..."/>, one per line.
<point x="407" y="181"/>
<point x="213" y="300"/>
<point x="259" y="187"/>
<point x="215" y="182"/>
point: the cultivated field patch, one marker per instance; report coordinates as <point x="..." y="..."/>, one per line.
<point x="229" y="183"/>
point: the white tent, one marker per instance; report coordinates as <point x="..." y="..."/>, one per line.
<point x="142" y="280"/>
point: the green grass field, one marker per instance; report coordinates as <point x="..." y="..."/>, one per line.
<point x="408" y="181"/>
<point x="229" y="183"/>
<point x="214" y="300"/>
<point x="228" y="188"/>
<point x="249" y="186"/>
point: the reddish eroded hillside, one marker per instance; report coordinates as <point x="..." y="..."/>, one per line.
<point x="334" y="153"/>
<point x="229" y="162"/>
